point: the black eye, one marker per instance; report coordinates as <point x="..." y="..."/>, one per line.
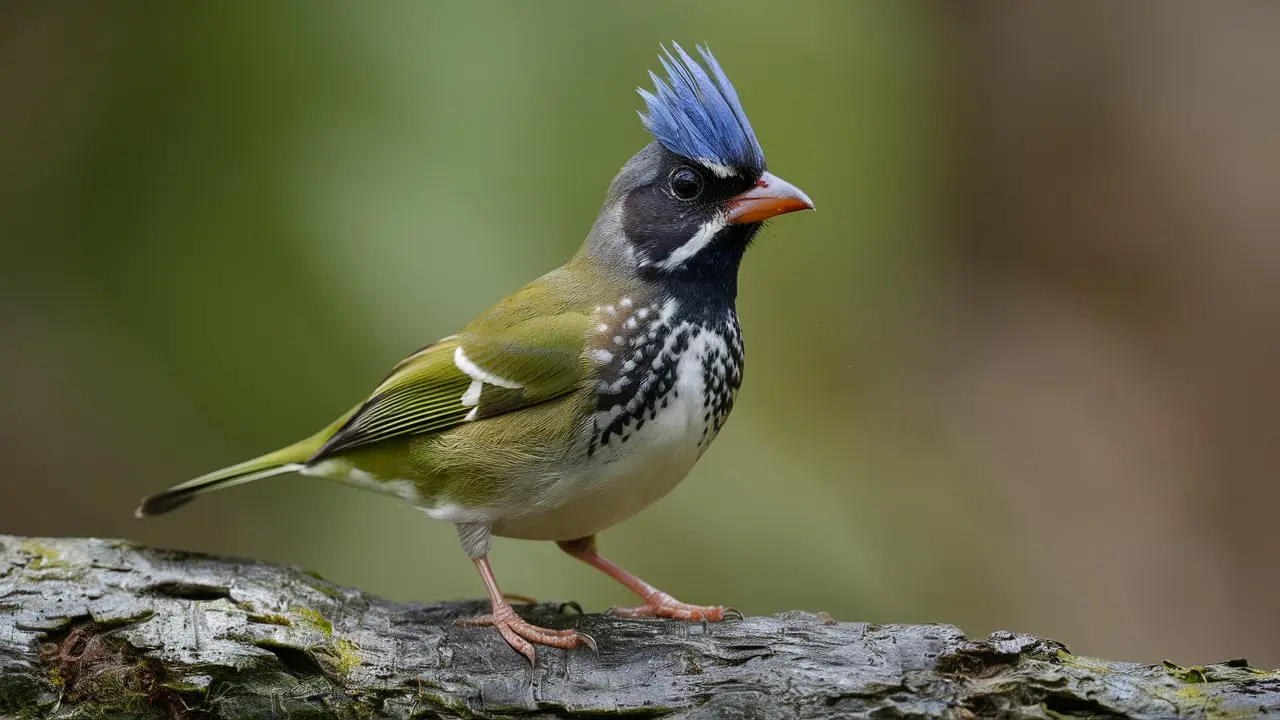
<point x="686" y="183"/>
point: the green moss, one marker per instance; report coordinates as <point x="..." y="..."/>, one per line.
<point x="42" y="556"/>
<point x="1190" y="697"/>
<point x="1083" y="663"/>
<point x="340" y="657"/>
<point x="1193" y="694"/>
<point x="1192" y="674"/>
<point x="313" y="619"/>
<point x="182" y="687"/>
<point x="270" y="619"/>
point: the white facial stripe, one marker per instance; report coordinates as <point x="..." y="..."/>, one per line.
<point x="476" y="373"/>
<point x="718" y="169"/>
<point x="695" y="244"/>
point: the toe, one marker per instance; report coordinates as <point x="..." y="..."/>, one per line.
<point x="522" y="636"/>
<point x="631" y="612"/>
<point x="518" y="643"/>
<point x="565" y="639"/>
<point x="668" y="607"/>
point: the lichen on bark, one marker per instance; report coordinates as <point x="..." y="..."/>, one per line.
<point x="100" y="628"/>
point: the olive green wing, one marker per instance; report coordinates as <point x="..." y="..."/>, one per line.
<point x="482" y="372"/>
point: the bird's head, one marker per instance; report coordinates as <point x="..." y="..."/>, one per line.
<point x="688" y="204"/>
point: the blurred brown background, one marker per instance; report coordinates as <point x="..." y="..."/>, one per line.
<point x="1018" y="371"/>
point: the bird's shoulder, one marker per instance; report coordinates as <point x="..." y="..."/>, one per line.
<point x="528" y="348"/>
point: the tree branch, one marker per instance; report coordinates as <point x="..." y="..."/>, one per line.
<point x="103" y="628"/>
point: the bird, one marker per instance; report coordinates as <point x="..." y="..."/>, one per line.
<point x="588" y="394"/>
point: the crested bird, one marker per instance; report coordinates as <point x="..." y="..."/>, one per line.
<point x="589" y="393"/>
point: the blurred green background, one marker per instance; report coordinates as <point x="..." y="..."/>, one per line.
<point x="1018" y="371"/>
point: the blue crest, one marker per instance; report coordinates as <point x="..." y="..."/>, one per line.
<point x="698" y="118"/>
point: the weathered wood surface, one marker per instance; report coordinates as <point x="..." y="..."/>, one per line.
<point x="103" y="628"/>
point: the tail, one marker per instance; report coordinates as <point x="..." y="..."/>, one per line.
<point x="284" y="460"/>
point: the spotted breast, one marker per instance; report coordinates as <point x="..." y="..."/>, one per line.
<point x="654" y="353"/>
<point x="667" y="381"/>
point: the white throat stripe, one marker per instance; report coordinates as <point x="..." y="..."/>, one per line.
<point x="695" y="244"/>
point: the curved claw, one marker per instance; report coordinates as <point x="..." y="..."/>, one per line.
<point x="732" y="614"/>
<point x="590" y="642"/>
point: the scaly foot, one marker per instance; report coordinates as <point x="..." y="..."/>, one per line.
<point x="660" y="604"/>
<point x="520" y="634"/>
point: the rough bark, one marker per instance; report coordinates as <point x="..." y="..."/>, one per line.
<point x="104" y="628"/>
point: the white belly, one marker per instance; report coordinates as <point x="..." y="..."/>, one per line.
<point x="624" y="477"/>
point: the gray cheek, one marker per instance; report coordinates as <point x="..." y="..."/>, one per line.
<point x="608" y="243"/>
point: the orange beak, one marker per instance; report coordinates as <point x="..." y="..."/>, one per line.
<point x="771" y="196"/>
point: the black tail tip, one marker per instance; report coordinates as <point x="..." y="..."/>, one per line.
<point x="164" y="502"/>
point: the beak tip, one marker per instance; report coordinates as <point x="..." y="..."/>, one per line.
<point x="803" y="197"/>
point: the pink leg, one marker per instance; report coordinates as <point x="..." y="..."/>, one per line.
<point x="518" y="633"/>
<point x="656" y="602"/>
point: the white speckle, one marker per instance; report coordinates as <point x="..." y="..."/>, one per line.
<point x="602" y="327"/>
<point x="628" y="366"/>
<point x="611" y="310"/>
<point x="625" y="302"/>
<point x="630" y="324"/>
<point x="695" y="244"/>
<point x="471" y="397"/>
<point x="642" y="313"/>
<point x="604" y="357"/>
<point x="619" y="340"/>
<point x="615" y="386"/>
<point x="475" y="372"/>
